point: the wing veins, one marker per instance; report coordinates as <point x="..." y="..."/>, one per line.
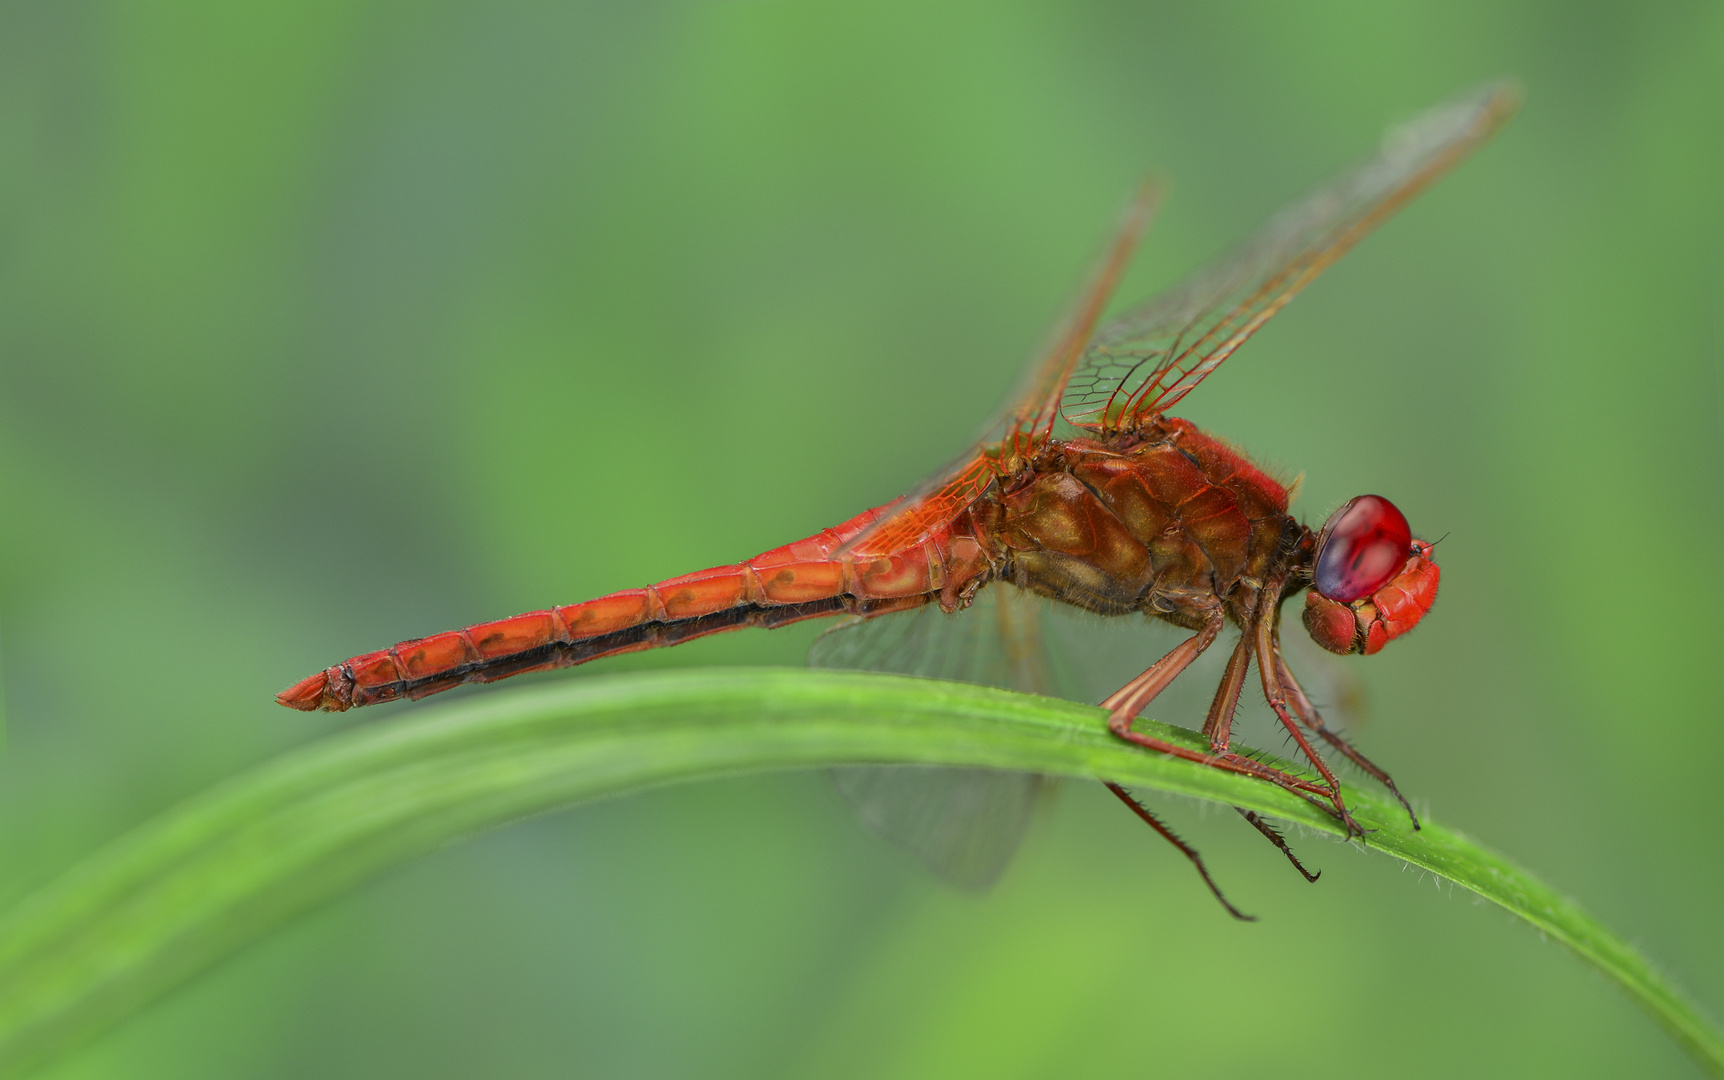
<point x="1094" y="377"/>
<point x="1284" y="257"/>
<point x="1029" y="418"/>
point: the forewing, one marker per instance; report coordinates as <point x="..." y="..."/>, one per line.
<point x="1028" y="417"/>
<point x="1143" y="361"/>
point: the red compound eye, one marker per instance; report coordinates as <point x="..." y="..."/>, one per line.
<point x="1361" y="547"/>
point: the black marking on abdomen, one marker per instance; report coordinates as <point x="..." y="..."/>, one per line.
<point x="650" y="635"/>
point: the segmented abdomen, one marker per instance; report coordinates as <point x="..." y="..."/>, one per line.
<point x="804" y="580"/>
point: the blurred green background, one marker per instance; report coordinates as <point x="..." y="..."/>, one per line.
<point x="329" y="324"/>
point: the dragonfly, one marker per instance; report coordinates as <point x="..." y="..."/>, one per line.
<point x="1084" y="492"/>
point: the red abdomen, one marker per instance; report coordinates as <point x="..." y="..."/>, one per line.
<point x="804" y="580"/>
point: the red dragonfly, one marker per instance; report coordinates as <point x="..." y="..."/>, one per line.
<point x="1086" y="492"/>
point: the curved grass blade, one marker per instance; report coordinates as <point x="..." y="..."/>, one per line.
<point x="176" y="895"/>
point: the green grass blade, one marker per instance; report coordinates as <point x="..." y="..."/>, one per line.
<point x="176" y="895"/>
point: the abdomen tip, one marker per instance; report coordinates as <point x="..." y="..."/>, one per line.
<point x="305" y="695"/>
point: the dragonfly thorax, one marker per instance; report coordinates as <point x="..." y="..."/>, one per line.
<point x="1168" y="521"/>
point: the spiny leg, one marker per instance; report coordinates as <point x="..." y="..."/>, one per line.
<point x="1132" y="698"/>
<point x="1307" y="712"/>
<point x="1124" y="705"/>
<point x="1218" y="726"/>
<point x="1262" y="633"/>
<point x="1186" y="849"/>
<point x="1274" y="836"/>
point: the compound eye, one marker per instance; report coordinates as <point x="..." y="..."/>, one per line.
<point x="1361" y="547"/>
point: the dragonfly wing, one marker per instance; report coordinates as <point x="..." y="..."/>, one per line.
<point x="996" y="641"/>
<point x="931" y="505"/>
<point x="963" y="824"/>
<point x="1142" y="362"/>
<point x="1028" y="417"/>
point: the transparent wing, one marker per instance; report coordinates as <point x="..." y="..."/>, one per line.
<point x="1028" y="417"/>
<point x="965" y="824"/>
<point x="1142" y="362"/>
<point x="997" y="641"/>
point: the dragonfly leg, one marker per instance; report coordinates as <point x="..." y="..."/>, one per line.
<point x="1262" y="635"/>
<point x="1218" y="725"/>
<point x="1274" y="836"/>
<point x="1185" y="849"/>
<point x="1132" y="698"/>
<point x="1126" y="703"/>
<point x="1306" y="711"/>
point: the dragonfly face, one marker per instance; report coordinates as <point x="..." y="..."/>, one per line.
<point x="1371" y="581"/>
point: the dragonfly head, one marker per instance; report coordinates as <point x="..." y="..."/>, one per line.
<point x="1371" y="581"/>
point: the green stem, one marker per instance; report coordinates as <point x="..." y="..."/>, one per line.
<point x="180" y="892"/>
